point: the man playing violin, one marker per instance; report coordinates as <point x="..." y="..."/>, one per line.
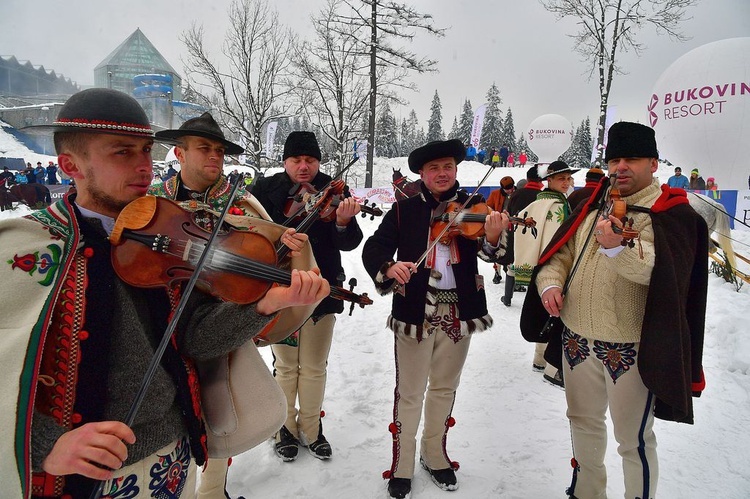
<point x="78" y="339"/>
<point x="300" y="363"/>
<point x="631" y="331"/>
<point x="436" y="308"/>
<point x="200" y="149"/>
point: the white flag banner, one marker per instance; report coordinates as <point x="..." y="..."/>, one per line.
<point x="377" y="195"/>
<point x="270" y="136"/>
<point x="742" y="211"/>
<point x="476" y="127"/>
<point x="608" y="121"/>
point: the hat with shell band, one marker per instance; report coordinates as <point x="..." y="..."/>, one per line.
<point x="100" y="110"/>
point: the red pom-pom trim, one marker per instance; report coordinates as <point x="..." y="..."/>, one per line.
<point x="387" y="474"/>
<point x="393" y="428"/>
<point x="322" y="414"/>
<point x="451" y="422"/>
<point x="573" y="463"/>
<point x="83" y="335"/>
<point x="88" y="252"/>
<point x="455" y="465"/>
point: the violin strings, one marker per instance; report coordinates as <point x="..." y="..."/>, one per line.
<point x="230" y="262"/>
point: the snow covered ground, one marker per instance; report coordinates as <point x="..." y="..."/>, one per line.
<point x="511" y="436"/>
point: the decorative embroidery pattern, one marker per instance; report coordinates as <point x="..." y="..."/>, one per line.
<point x="168" y="475"/>
<point x="125" y="487"/>
<point x="448" y="322"/>
<point x="616" y="357"/>
<point x="576" y="348"/>
<point x="45" y="264"/>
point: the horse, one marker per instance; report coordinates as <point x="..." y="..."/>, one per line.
<point x="403" y="187"/>
<point x="6" y="198"/>
<point x="33" y="195"/>
<point x="717" y="219"/>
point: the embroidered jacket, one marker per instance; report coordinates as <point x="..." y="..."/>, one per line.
<point x="405" y="231"/>
<point x="49" y="345"/>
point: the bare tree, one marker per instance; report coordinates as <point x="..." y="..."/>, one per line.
<point x="387" y="20"/>
<point x="332" y="80"/>
<point x="609" y="26"/>
<point x="248" y="80"/>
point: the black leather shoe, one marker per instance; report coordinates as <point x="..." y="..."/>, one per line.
<point x="320" y="448"/>
<point x="506" y="301"/>
<point x="399" y="488"/>
<point x="445" y="478"/>
<point x="287" y="447"/>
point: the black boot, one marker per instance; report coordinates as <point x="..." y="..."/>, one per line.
<point x="399" y="488"/>
<point x="510" y="281"/>
<point x="497" y="279"/>
<point x="320" y="448"/>
<point x="287" y="447"/>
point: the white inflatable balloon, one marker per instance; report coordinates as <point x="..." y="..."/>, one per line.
<point x="700" y="110"/>
<point x="549" y="136"/>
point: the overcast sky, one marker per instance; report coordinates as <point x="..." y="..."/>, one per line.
<point x="514" y="43"/>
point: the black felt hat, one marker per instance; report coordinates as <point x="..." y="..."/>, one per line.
<point x="301" y="143"/>
<point x="100" y="110"/>
<point x="203" y="126"/>
<point x="437" y="149"/>
<point x="630" y="140"/>
<point x="594" y="174"/>
<point x="533" y="174"/>
<point x="554" y="168"/>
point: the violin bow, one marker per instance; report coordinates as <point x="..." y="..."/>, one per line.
<point x="161" y="348"/>
<point x="301" y="208"/>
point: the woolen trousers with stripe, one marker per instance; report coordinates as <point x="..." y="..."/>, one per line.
<point x="599" y="375"/>
<point x="439" y="360"/>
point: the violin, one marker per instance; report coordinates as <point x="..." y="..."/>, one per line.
<point x="469" y="222"/>
<point x="157" y="244"/>
<point x="305" y="198"/>
<point x="619" y="208"/>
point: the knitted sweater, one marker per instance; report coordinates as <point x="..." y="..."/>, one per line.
<point x="617" y="286"/>
<point x="671" y="336"/>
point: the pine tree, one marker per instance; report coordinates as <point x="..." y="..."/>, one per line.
<point x="454" y="130"/>
<point x="524" y="146"/>
<point x="509" y="132"/>
<point x="465" y="123"/>
<point x="492" y="129"/>
<point x="434" y="125"/>
<point x="409" y="134"/>
<point x="578" y="154"/>
<point x="587" y="142"/>
<point x="387" y="133"/>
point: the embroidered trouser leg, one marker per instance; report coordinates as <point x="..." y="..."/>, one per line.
<point x="169" y="472"/>
<point x="445" y="376"/>
<point x="301" y="372"/>
<point x="437" y="359"/>
<point x="600" y="375"/>
<point x="213" y="479"/>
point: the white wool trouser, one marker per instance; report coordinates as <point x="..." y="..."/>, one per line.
<point x="213" y="479"/>
<point x="169" y="472"/>
<point x="539" y="354"/>
<point x="435" y="365"/>
<point x="601" y="375"/>
<point x="301" y="373"/>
